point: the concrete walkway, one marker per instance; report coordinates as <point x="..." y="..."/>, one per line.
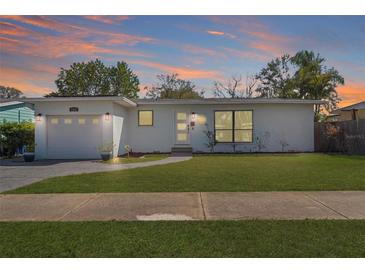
<point x="14" y="174"/>
<point x="183" y="206"/>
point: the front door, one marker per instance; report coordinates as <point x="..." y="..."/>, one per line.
<point x="182" y="134"/>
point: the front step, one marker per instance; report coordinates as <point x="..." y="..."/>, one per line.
<point x="181" y="151"/>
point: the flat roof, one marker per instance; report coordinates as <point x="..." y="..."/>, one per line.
<point x="9" y="103"/>
<point x="228" y="101"/>
<point x="203" y="101"/>
<point x="360" y="105"/>
<point x="117" y="99"/>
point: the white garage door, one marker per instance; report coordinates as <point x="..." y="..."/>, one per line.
<point x="73" y="137"/>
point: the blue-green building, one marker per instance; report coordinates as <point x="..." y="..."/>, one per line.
<point x="15" y="111"/>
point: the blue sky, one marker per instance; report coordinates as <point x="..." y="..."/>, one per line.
<point x="199" y="48"/>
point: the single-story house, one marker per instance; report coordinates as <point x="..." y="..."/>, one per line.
<point x="74" y="127"/>
<point x="15" y="111"/>
<point x="351" y="112"/>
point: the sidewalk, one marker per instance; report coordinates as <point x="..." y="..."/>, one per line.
<point x="183" y="206"/>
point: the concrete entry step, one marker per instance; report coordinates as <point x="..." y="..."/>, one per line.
<point x="181" y="151"/>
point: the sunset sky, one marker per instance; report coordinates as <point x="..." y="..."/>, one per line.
<point x="199" y="48"/>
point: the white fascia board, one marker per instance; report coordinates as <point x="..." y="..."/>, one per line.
<point x="117" y="99"/>
<point x="207" y="101"/>
<point x="224" y="101"/>
<point x="10" y="103"/>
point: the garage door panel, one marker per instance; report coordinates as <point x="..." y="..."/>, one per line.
<point x="73" y="137"/>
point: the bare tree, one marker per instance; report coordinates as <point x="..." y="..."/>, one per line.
<point x="250" y="87"/>
<point x="235" y="88"/>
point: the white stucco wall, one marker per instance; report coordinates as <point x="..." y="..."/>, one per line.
<point x="120" y="115"/>
<point x="156" y="138"/>
<point x="273" y="123"/>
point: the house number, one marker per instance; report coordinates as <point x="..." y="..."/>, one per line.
<point x="74" y="109"/>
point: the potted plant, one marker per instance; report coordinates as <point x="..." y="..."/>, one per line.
<point x="28" y="154"/>
<point x="106" y="151"/>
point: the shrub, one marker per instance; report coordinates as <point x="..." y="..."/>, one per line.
<point x="16" y="135"/>
<point x="211" y="139"/>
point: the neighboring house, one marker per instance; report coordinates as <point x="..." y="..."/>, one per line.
<point x="15" y="111"/>
<point x="73" y="127"/>
<point x="352" y="112"/>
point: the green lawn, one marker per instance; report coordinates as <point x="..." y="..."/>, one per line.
<point x="184" y="239"/>
<point x="145" y="158"/>
<point x="265" y="172"/>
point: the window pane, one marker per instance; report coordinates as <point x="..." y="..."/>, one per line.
<point x="54" y="121"/>
<point x="243" y="136"/>
<point x="223" y="136"/>
<point x="181" y="126"/>
<point x="182" y="137"/>
<point x="95" y="121"/>
<point x="181" y="116"/>
<point x="67" y="121"/>
<point x="223" y="120"/>
<point x="243" y="119"/>
<point x="81" y="121"/>
<point x="145" y="118"/>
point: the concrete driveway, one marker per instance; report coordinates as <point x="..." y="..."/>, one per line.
<point x="183" y="206"/>
<point x="15" y="173"/>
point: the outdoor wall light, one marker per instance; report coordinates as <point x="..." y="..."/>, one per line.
<point x="192" y="120"/>
<point x="39" y="117"/>
<point x="107" y="116"/>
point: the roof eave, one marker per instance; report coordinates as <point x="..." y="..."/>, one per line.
<point x="116" y="99"/>
<point x="224" y="102"/>
<point x="207" y="101"/>
<point x="353" y="106"/>
<point x="10" y="103"/>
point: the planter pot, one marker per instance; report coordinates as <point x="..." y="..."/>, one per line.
<point x="105" y="156"/>
<point x="28" y="156"/>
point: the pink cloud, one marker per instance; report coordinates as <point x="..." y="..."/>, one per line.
<point x="213" y="32"/>
<point x="270" y="43"/>
<point x="107" y="19"/>
<point x="56" y="47"/>
<point x="351" y="93"/>
<point x="13" y="29"/>
<point x="268" y="48"/>
<point x="42" y="22"/>
<point x="221" y="33"/>
<point x="28" y="81"/>
<point x="258" y="35"/>
<point x="71" y="42"/>
<point x="186" y="73"/>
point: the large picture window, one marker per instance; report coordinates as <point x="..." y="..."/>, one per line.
<point x="233" y="126"/>
<point x="145" y="118"/>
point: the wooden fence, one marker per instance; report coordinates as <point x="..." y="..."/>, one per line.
<point x="345" y="136"/>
